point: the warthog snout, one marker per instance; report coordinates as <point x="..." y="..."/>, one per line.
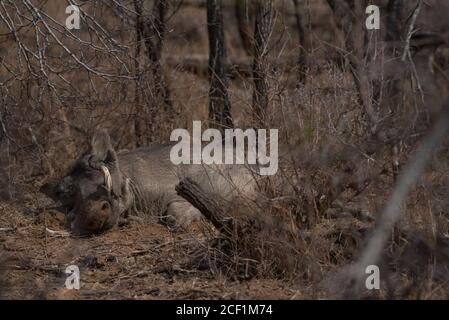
<point x="92" y="216"/>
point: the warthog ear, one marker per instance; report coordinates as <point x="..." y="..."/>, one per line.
<point x="103" y="154"/>
<point x="101" y="148"/>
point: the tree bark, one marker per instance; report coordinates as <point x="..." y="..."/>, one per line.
<point x="394" y="9"/>
<point x="262" y="30"/>
<point x="139" y="125"/>
<point x="392" y="89"/>
<point x="241" y="223"/>
<point x="244" y="14"/>
<point x="219" y="105"/>
<point x="147" y="120"/>
<point x="155" y="51"/>
<point x="304" y="43"/>
<point x="153" y="36"/>
<point x="211" y="207"/>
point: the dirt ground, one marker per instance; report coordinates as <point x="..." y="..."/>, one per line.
<point x="137" y="261"/>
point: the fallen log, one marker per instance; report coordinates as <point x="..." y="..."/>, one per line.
<point x="212" y="208"/>
<point x="250" y="242"/>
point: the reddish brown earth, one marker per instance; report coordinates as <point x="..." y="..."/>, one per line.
<point x="138" y="261"/>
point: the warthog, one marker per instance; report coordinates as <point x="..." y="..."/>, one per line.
<point x="104" y="186"/>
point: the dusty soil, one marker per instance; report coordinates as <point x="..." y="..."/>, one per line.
<point x="147" y="260"/>
<point x="137" y="261"/>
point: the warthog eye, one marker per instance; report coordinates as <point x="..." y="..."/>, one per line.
<point x="104" y="206"/>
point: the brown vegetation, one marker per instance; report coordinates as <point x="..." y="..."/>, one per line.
<point x="356" y="110"/>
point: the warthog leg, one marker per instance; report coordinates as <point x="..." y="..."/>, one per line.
<point x="180" y="213"/>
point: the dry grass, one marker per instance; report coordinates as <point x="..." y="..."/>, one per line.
<point x="294" y="243"/>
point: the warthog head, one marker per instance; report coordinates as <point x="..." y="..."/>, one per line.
<point x="98" y="188"/>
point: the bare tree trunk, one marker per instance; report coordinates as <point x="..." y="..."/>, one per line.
<point x="304" y="42"/>
<point x="392" y="88"/>
<point x="262" y="30"/>
<point x="394" y="13"/>
<point x="159" y="11"/>
<point x="139" y="112"/>
<point x="243" y="13"/>
<point x="349" y="18"/>
<point x="150" y="119"/>
<point x="219" y="105"/>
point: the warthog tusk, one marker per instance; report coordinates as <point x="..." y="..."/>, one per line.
<point x="57" y="233"/>
<point x="107" y="178"/>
